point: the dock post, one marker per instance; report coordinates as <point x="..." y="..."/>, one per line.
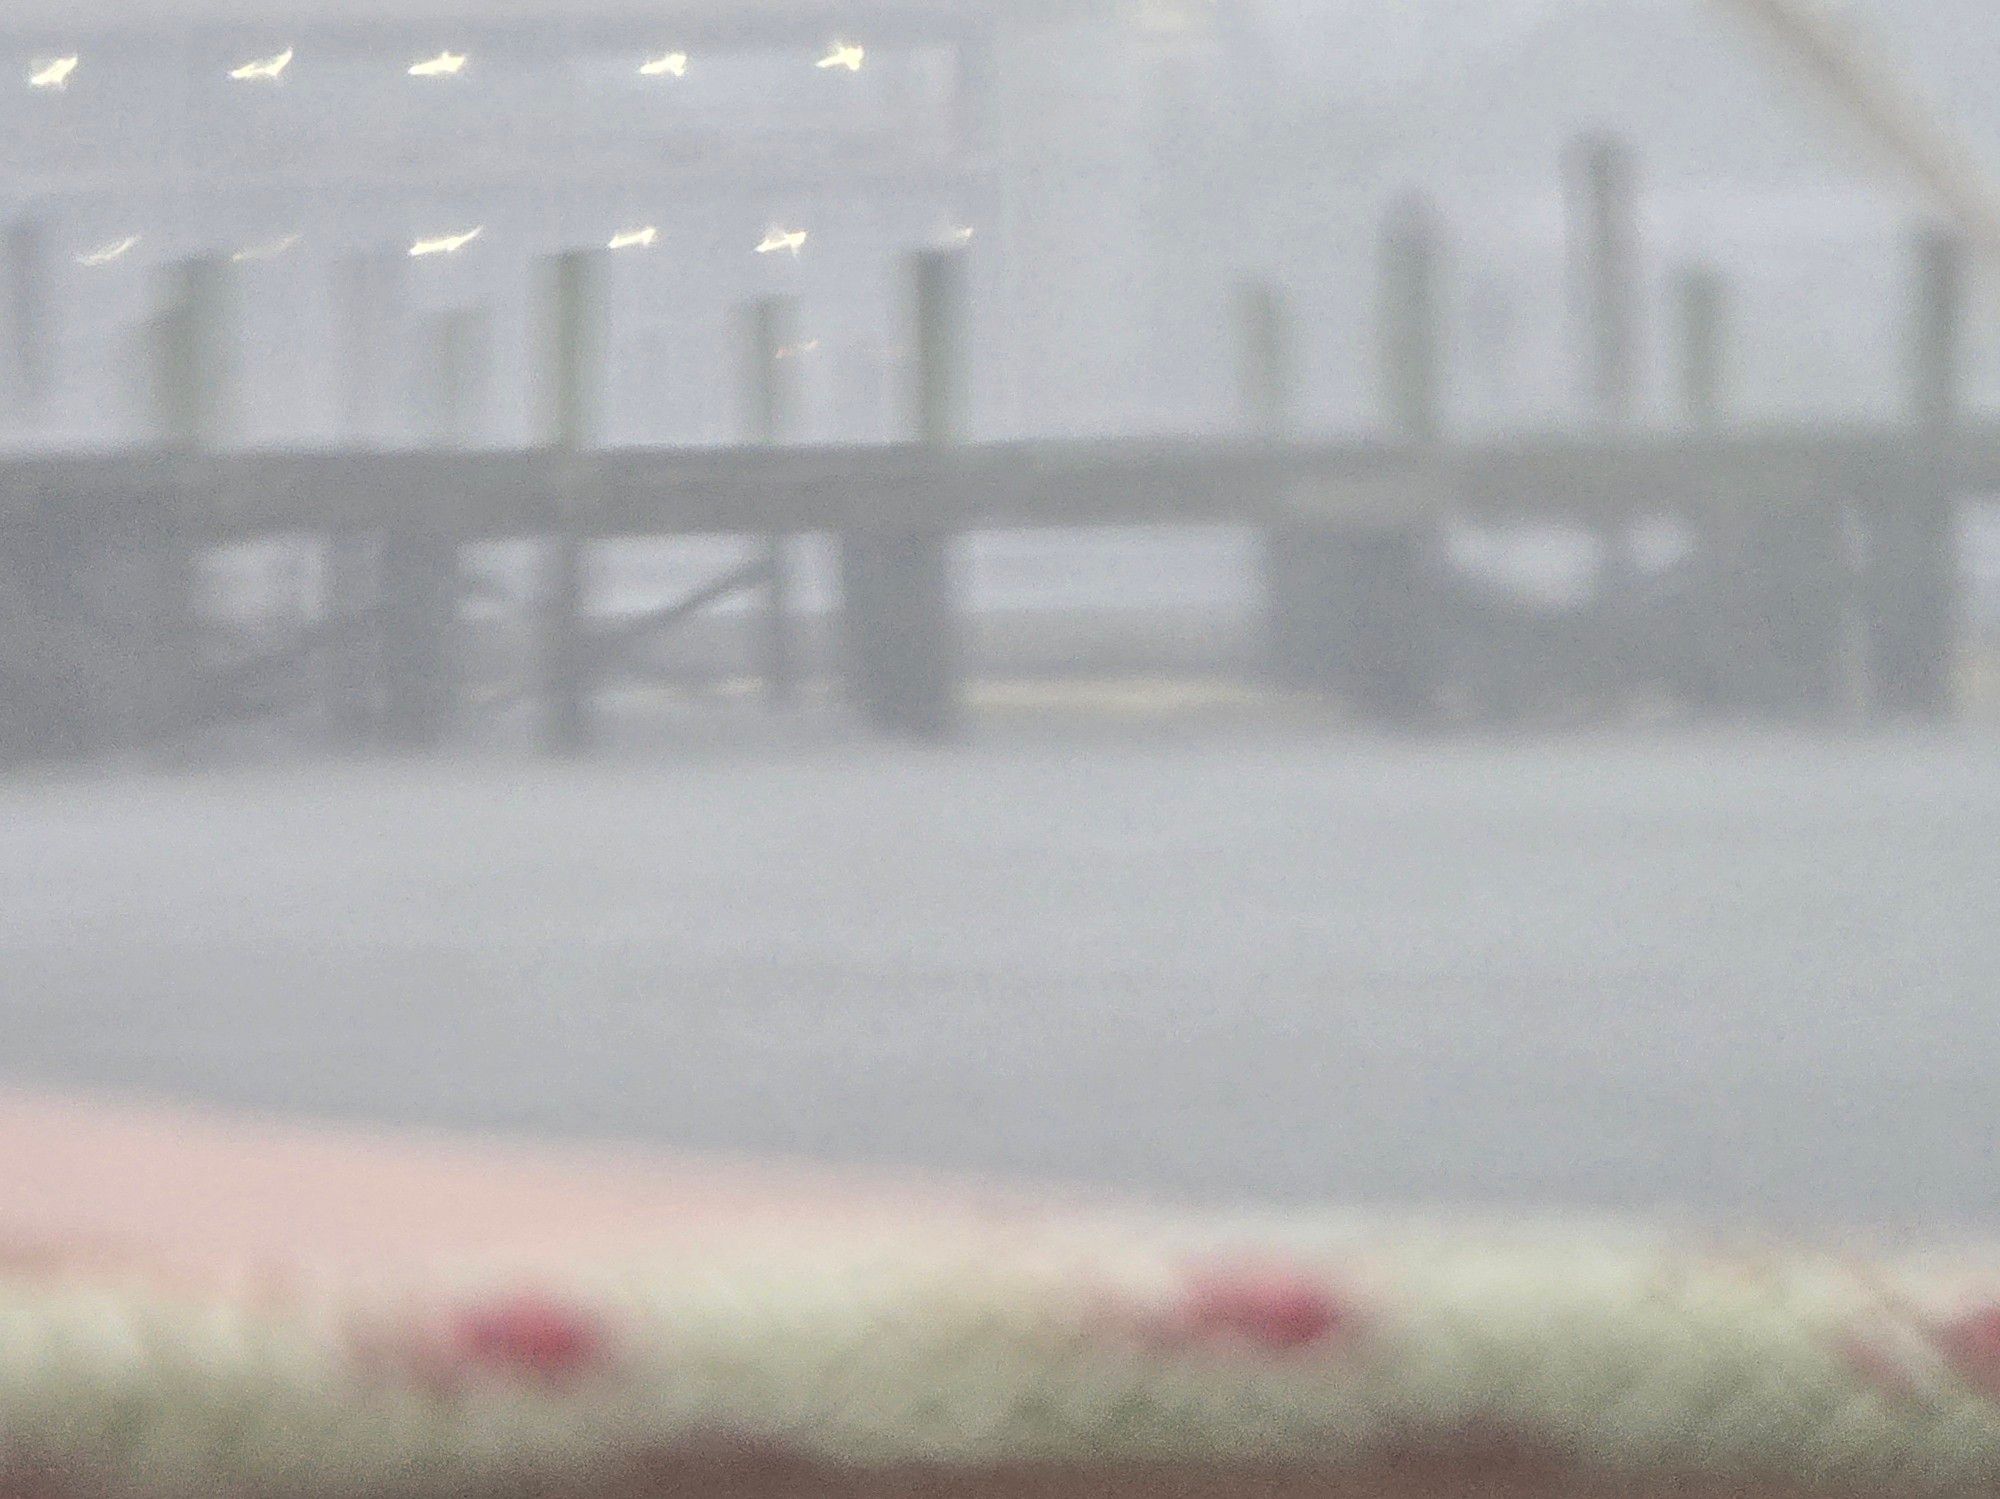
<point x="46" y="691"/>
<point x="49" y="687"/>
<point x="1772" y="616"/>
<point x="189" y="375"/>
<point x="1912" y="578"/>
<point x="770" y="387"/>
<point x="1604" y="236"/>
<point x="1604" y="218"/>
<point x="27" y="277"/>
<point x="420" y="582"/>
<point x="1701" y="299"/>
<point x="1723" y="626"/>
<point x="367" y="293"/>
<point x="902" y="630"/>
<point x="1393" y="599"/>
<point x="566" y="659"/>
<point x="1300" y="566"/>
<point x="1796" y="585"/>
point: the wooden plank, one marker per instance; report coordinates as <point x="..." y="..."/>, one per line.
<point x="671" y="491"/>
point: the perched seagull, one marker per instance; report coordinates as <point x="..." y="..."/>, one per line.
<point x="53" y="74"/>
<point x="268" y="68"/>
<point x="634" y="239"/>
<point x="444" y="65"/>
<point x="783" y="239"/>
<point x="667" y="63"/>
<point x="844" y="55"/>
<point x="105" y="254"/>
<point x="445" y="244"/>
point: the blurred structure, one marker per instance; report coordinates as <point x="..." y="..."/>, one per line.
<point x="296" y="260"/>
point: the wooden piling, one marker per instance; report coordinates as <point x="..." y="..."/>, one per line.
<point x="1604" y="230"/>
<point x="1297" y="653"/>
<point x="1912" y="580"/>
<point x="49" y="688"/>
<point x="1389" y="576"/>
<point x="190" y="375"/>
<point x="1605" y="226"/>
<point x="902" y="630"/>
<point x="1722" y="625"/>
<point x="44" y="699"/>
<point x="1769" y="612"/>
<point x="420" y="582"/>
<point x="368" y="296"/>
<point x="574" y="364"/>
<point x="27" y="280"/>
<point x="770" y="387"/>
<point x="1701" y="302"/>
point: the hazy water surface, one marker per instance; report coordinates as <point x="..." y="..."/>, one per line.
<point x="1748" y="976"/>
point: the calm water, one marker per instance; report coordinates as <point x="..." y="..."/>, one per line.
<point x="1746" y="976"/>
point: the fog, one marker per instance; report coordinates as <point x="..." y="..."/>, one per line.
<point x="1309" y="600"/>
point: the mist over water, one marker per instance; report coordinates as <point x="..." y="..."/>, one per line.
<point x="1737" y="978"/>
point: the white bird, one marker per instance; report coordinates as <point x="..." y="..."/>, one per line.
<point x="666" y="64"/>
<point x="783" y="239"/>
<point x="54" y="73"/>
<point x="844" y="55"/>
<point x="445" y="244"/>
<point x="445" y="65"/>
<point x="634" y="239"/>
<point x="265" y="68"/>
<point x="105" y="254"/>
<point x="270" y="250"/>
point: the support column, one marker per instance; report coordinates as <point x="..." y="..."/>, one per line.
<point x="568" y="670"/>
<point x="367" y="293"/>
<point x="1392" y="593"/>
<point x="49" y="670"/>
<point x="27" y="277"/>
<point x="1722" y="600"/>
<point x="1298" y="565"/>
<point x="1604" y="219"/>
<point x="902" y="629"/>
<point x="770" y="418"/>
<point x="190" y="374"/>
<point x="420" y="582"/>
<point x="1794" y="591"/>
<point x="1912" y="574"/>
<point x="1771" y="615"/>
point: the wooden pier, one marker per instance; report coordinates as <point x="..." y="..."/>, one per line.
<point x="1821" y="581"/>
<point x="1769" y="503"/>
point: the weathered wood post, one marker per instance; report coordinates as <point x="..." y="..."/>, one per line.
<point x="420" y="582"/>
<point x="190" y="374"/>
<point x="1722" y="628"/>
<point x="897" y="596"/>
<point x="568" y="668"/>
<point x="1773" y="606"/>
<point x="45" y="698"/>
<point x="1395" y="604"/>
<point x="28" y="317"/>
<point x="1605" y="219"/>
<point x="1912" y="578"/>
<point x="770" y="388"/>
<point x="367" y="293"/>
<point x="1701" y="298"/>
<point x="1299" y="587"/>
